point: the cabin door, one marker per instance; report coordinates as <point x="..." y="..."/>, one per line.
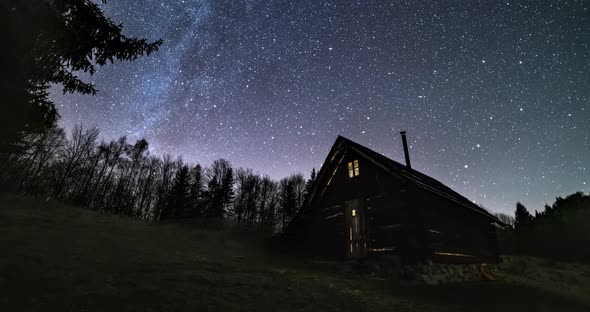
<point x="356" y="246"/>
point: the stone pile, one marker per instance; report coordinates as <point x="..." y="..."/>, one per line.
<point x="426" y="273"/>
<point x="436" y="273"/>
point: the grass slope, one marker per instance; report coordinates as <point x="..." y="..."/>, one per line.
<point x="60" y="258"/>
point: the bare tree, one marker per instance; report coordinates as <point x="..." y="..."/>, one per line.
<point x="507" y="219"/>
<point x="147" y="197"/>
<point x="163" y="186"/>
<point x="292" y="194"/>
<point x="245" y="206"/>
<point x="268" y="202"/>
<point x="115" y="151"/>
<point x="43" y="149"/>
<point x="73" y="155"/>
<point x="123" y="178"/>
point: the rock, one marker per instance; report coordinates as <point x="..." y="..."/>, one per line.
<point x="429" y="273"/>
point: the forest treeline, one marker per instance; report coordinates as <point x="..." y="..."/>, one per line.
<point x="122" y="177"/>
<point x="559" y="231"/>
<point x="59" y="42"/>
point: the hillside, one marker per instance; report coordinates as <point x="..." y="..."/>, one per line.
<point x="57" y="257"/>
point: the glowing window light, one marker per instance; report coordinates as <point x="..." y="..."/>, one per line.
<point x="382" y="249"/>
<point x="353" y="169"/>
<point x="333" y="216"/>
<point x="452" y="254"/>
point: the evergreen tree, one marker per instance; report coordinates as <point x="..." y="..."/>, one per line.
<point x="197" y="184"/>
<point x="178" y="201"/>
<point x="50" y="42"/>
<point x="227" y="191"/>
<point x="558" y="232"/>
<point x="548" y="210"/>
<point x="521" y="216"/>
<point x="309" y="183"/>
<point x="212" y="197"/>
<point x="288" y="201"/>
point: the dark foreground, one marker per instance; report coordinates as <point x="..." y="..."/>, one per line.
<point x="59" y="258"/>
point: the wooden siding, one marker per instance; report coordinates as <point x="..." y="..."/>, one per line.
<point x="398" y="217"/>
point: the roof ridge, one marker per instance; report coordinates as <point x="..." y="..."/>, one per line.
<point x="422" y="179"/>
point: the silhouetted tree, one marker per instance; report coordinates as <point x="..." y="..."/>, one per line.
<point x="309" y="183"/>
<point x="249" y="201"/>
<point x="227" y="190"/>
<point x="268" y="202"/>
<point x="560" y="231"/>
<point x="507" y="219"/>
<point x="242" y="193"/>
<point x="292" y="191"/>
<point x="299" y="186"/>
<point x="288" y="201"/>
<point x="138" y="155"/>
<point x="123" y="178"/>
<point x="50" y="42"/>
<point x="73" y="156"/>
<point x="521" y="216"/>
<point x="147" y="197"/>
<point x="164" y="184"/>
<point x="30" y="167"/>
<point x="178" y="201"/>
<point x="220" y="188"/>
<point x="196" y="191"/>
<point x="105" y="184"/>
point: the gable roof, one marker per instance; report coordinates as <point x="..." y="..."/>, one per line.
<point x="400" y="171"/>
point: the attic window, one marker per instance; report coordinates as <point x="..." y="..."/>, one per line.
<point x="353" y="169"/>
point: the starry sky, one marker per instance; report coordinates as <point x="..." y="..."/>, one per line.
<point x="495" y="95"/>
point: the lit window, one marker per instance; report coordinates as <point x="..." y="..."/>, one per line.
<point x="353" y="212"/>
<point x="353" y="169"/>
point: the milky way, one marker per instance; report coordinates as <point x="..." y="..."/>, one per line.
<point x="495" y="96"/>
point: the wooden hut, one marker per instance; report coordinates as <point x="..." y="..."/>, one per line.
<point x="364" y="204"/>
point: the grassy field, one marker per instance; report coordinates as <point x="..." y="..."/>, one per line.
<point x="59" y="258"/>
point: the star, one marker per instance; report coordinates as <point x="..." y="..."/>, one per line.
<point x="253" y="80"/>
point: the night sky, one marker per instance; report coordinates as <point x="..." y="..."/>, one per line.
<point x="495" y="96"/>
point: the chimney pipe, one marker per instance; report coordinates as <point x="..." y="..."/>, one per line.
<point x="406" y="152"/>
